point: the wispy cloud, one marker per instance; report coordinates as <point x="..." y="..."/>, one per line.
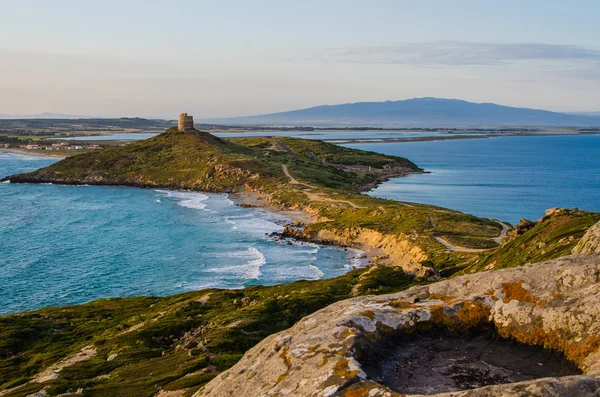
<point x="459" y="53"/>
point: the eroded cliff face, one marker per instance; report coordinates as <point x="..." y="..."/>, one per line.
<point x="555" y="304"/>
<point x="398" y="250"/>
<point x="590" y="243"/>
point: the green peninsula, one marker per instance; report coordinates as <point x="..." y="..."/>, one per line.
<point x="147" y="346"/>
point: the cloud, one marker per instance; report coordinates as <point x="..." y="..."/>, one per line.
<point x="459" y="53"/>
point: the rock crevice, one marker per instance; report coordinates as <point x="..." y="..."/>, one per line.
<point x="553" y="304"/>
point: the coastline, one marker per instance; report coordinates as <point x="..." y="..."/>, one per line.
<point x="368" y="253"/>
<point x="32" y="153"/>
<point x="252" y="199"/>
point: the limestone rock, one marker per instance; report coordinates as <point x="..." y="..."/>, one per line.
<point x="555" y="304"/>
<point x="590" y="242"/>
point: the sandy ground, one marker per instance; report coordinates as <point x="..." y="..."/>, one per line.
<point x="32" y="153"/>
<point x="260" y="200"/>
<point x="365" y="254"/>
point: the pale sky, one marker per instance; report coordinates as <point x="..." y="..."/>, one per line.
<point x="224" y="58"/>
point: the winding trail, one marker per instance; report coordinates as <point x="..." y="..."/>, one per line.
<point x="293" y="180"/>
<point x="457" y="248"/>
<point x="505" y="229"/>
<point x="314" y="196"/>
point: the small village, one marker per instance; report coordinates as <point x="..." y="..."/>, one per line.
<point x="53" y="146"/>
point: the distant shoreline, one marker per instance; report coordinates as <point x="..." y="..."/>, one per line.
<point x="32" y="153"/>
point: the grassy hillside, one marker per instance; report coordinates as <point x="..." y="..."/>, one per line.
<point x="172" y="343"/>
<point x="139" y="346"/>
<point x="200" y="161"/>
<point x="327" y="177"/>
<point x="555" y="236"/>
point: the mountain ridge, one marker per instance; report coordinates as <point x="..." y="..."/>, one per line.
<point x="421" y="112"/>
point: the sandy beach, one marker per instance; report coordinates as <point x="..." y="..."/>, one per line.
<point x="365" y="254"/>
<point x="261" y="201"/>
<point x="32" y="153"/>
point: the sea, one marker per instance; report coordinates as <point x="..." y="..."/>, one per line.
<point x="505" y="178"/>
<point x="62" y="245"/>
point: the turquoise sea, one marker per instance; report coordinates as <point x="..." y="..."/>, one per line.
<point x="62" y="245"/>
<point x="505" y="178"/>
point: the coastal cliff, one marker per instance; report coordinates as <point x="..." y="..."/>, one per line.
<point x="176" y="345"/>
<point x="315" y="177"/>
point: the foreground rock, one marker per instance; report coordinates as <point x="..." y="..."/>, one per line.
<point x="590" y="243"/>
<point x="554" y="304"/>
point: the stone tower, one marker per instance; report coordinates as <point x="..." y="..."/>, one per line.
<point x="186" y="123"/>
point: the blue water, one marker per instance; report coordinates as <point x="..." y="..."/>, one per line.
<point x="63" y="245"/>
<point x="504" y="178"/>
<point x="322" y="135"/>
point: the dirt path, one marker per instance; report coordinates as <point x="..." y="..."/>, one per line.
<point x="457" y="248"/>
<point x="293" y="180"/>
<point x="316" y="197"/>
<point x="505" y="229"/>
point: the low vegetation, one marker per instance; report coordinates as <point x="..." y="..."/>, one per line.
<point x="554" y="236"/>
<point x="171" y="343"/>
<point x="147" y="344"/>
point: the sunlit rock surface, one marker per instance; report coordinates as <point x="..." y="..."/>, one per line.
<point x="590" y="243"/>
<point x="554" y="304"/>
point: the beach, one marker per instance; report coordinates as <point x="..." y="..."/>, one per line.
<point x="33" y="153"/>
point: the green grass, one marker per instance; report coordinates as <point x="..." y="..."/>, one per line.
<point x="180" y="335"/>
<point x="180" y="342"/>
<point x="552" y="238"/>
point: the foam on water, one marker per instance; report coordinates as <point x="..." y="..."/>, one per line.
<point x="249" y="270"/>
<point x="305" y="272"/>
<point x="187" y="199"/>
<point x="256" y="226"/>
<point x="133" y="244"/>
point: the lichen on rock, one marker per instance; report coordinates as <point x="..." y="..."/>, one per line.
<point x="590" y="243"/>
<point x="554" y="304"/>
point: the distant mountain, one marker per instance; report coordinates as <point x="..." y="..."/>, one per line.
<point x="417" y="112"/>
<point x="41" y="116"/>
<point x="593" y="114"/>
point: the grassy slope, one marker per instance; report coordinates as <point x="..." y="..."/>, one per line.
<point x="180" y="335"/>
<point x="185" y="335"/>
<point x="200" y="161"/>
<point x="554" y="237"/>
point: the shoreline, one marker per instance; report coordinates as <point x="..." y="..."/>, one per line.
<point x="371" y="254"/>
<point x="32" y="153"/>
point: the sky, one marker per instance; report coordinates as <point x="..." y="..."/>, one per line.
<point x="227" y="58"/>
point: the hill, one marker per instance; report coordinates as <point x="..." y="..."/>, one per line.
<point x="315" y="177"/>
<point x="417" y="112"/>
<point x="174" y="345"/>
<point x="200" y="161"/>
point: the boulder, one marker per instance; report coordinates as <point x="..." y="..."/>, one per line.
<point x="590" y="242"/>
<point x="555" y="304"/>
<point x="524" y="226"/>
